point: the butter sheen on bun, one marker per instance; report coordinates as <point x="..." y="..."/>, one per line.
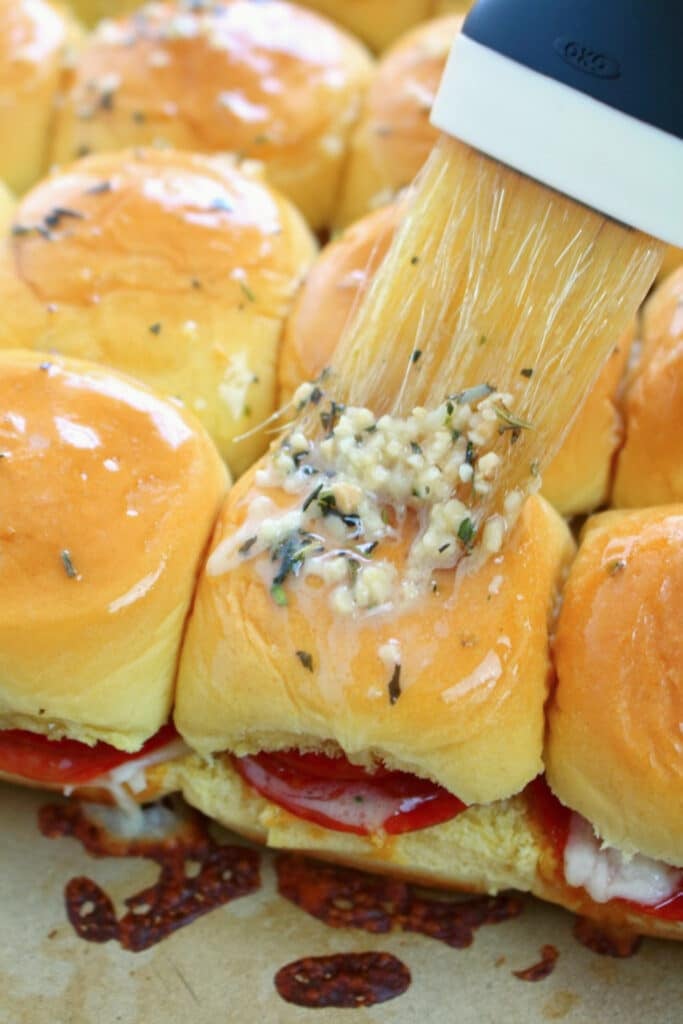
<point x="35" y="36"/>
<point x="176" y="268"/>
<point x="108" y="495"/>
<point x="271" y="82"/>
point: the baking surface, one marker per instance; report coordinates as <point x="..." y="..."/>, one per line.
<point x="221" y="967"/>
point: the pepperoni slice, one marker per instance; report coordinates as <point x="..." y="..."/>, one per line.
<point x="67" y="762"/>
<point x="331" y="791"/>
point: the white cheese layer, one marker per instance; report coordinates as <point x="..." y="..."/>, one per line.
<point x="606" y="874"/>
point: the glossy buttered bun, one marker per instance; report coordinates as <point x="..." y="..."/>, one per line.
<point x="393" y="137"/>
<point x="673" y="259"/>
<point x="473" y="656"/>
<point x="175" y="268"/>
<point x="268" y="81"/>
<point x="35" y="39"/>
<point x="614" y="746"/>
<point x="577" y="480"/>
<point x="108" y="494"/>
<point x="378" y="22"/>
<point x="650" y="466"/>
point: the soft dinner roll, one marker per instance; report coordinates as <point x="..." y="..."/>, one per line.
<point x="578" y="478"/>
<point x="378" y="22"/>
<point x="650" y="466"/>
<point x="268" y="81"/>
<point x="394" y="137"/>
<point x="614" y="749"/>
<point x="35" y="39"/>
<point x="173" y="267"/>
<point x="673" y="258"/>
<point x="107" y="498"/>
<point x="473" y="657"/>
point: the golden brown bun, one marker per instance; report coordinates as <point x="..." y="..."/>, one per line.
<point x="673" y="259"/>
<point x="614" y="747"/>
<point x="394" y="137"/>
<point x="578" y="478"/>
<point x="485" y="849"/>
<point x="108" y="494"/>
<point x="378" y="22"/>
<point x="270" y="81"/>
<point x="474" y="662"/>
<point x="176" y="268"/>
<point x="650" y="466"/>
<point x="34" y="41"/>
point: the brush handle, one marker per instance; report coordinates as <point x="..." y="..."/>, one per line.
<point x="585" y="96"/>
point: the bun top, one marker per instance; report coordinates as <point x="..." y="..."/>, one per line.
<point x="33" y="40"/>
<point x="264" y="670"/>
<point x="394" y="136"/>
<point x="614" y="749"/>
<point x="176" y="268"/>
<point x="271" y="82"/>
<point x="107" y="495"/>
<point x="650" y="466"/>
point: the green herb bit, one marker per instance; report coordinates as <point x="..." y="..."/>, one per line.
<point x="444" y="547"/>
<point x="247" y="292"/>
<point x="367" y="549"/>
<point x="277" y="592"/>
<point x="311" y="498"/>
<point x="245" y="548"/>
<point x="414" y="260"/>
<point x="616" y="566"/>
<point x="415" y="448"/>
<point x="470" y="453"/>
<point x="54" y="218"/>
<point x="358" y="798"/>
<point x="394" y="687"/>
<point x="466" y="532"/>
<point x="535" y="468"/>
<point x="306" y="659"/>
<point x="155" y="328"/>
<point x="482" y="340"/>
<point x="511" y="421"/>
<point x="416" y="355"/>
<point x="386" y="518"/>
<point x="475" y="394"/>
<point x="527" y="372"/>
<point x="450" y="409"/>
<point x="69" y="568"/>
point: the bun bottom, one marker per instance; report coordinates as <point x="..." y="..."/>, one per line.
<point x="485" y="849"/>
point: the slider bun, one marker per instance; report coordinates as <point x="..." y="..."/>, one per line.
<point x="108" y="493"/>
<point x="614" y="748"/>
<point x="577" y="479"/>
<point x="485" y="849"/>
<point x="650" y="466"/>
<point x="378" y="22"/>
<point x="673" y="258"/>
<point x="34" y="39"/>
<point x="176" y="268"/>
<point x="393" y="138"/>
<point x="269" y="81"/>
<point x="474" y="661"/>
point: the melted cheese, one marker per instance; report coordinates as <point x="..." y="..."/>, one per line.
<point x="606" y="874"/>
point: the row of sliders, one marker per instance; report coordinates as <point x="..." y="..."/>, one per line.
<point x="195" y="276"/>
<point x="406" y="737"/>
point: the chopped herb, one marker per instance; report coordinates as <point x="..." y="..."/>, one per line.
<point x="106" y="101"/>
<point x="435" y="587"/>
<point x="245" y="548"/>
<point x="353" y="566"/>
<point x="291" y="553"/>
<point x="82" y="151"/>
<point x="371" y="429"/>
<point x="394" y="687"/>
<point x="415" y="448"/>
<point x="330" y="418"/>
<point x="482" y="340"/>
<point x="247" y="292"/>
<point x="138" y="116"/>
<point x="414" y="260"/>
<point x="221" y="203"/>
<point x="510" y="420"/>
<point x="470" y="453"/>
<point x="474" y="394"/>
<point x="277" y="592"/>
<point x="450" y="408"/>
<point x="18" y="230"/>
<point x="358" y="798"/>
<point x="60" y="213"/>
<point x="444" y="547"/>
<point x="535" y="468"/>
<point x="466" y="532"/>
<point x="415" y="493"/>
<point x="311" y="498"/>
<point x="306" y="659"/>
<point x="315" y="395"/>
<point x="455" y="435"/>
<point x="527" y="372"/>
<point x="196" y="283"/>
<point x="155" y="328"/>
<point x="68" y="565"/>
<point x="99" y="189"/>
<point x="416" y="355"/>
<point x="616" y="566"/>
<point x="367" y="549"/>
<point x="298" y="457"/>
<point x="328" y="507"/>
<point x="246" y="411"/>
<point x="386" y="518"/>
